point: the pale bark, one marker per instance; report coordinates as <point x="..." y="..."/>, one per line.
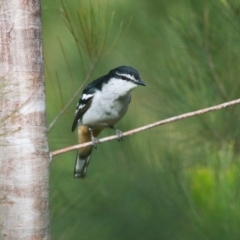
<point x="24" y="155"/>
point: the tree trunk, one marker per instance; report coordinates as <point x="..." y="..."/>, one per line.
<point x="24" y="155"/>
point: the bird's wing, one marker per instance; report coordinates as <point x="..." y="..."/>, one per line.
<point x="86" y="99"/>
<point x="82" y="106"/>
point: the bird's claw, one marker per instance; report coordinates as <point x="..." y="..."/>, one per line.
<point x="119" y="135"/>
<point x="95" y="142"/>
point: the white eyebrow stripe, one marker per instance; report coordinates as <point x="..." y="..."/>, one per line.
<point x="86" y="96"/>
<point x="126" y="75"/>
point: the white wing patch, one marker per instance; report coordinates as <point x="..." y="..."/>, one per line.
<point x="127" y="76"/>
<point x="79" y="107"/>
<point x="86" y="96"/>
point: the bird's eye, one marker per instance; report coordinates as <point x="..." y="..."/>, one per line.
<point x="124" y="78"/>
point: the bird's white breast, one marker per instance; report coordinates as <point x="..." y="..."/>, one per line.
<point x="109" y="104"/>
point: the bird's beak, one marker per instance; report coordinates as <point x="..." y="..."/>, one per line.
<point x="140" y="82"/>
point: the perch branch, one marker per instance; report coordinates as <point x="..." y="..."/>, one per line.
<point x="133" y="131"/>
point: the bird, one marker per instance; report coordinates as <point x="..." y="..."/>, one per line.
<point x="102" y="104"/>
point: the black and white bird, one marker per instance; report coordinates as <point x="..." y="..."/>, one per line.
<point x="102" y="104"/>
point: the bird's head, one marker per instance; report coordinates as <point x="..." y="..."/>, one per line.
<point x="128" y="74"/>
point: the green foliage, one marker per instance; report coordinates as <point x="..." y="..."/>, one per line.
<point x="90" y="28"/>
<point x="215" y="192"/>
<point x="90" y="24"/>
<point x="178" y="181"/>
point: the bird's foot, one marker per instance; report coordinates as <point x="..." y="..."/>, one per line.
<point x="118" y="133"/>
<point x="94" y="140"/>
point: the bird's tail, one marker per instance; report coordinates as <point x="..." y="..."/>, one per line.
<point x="81" y="164"/>
<point x="83" y="154"/>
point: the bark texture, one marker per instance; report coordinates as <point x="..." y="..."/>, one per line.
<point x="24" y="154"/>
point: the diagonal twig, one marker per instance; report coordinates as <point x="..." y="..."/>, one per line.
<point x="70" y="101"/>
<point x="152" y="125"/>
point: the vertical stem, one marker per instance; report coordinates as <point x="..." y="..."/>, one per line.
<point x="24" y="154"/>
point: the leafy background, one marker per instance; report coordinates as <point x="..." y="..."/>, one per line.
<point x="177" y="181"/>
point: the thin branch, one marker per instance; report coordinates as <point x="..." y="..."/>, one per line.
<point x="71" y="99"/>
<point x="209" y="57"/>
<point x="59" y="89"/>
<point x="67" y="62"/>
<point x="168" y="120"/>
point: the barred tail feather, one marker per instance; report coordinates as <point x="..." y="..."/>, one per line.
<point x="82" y="162"/>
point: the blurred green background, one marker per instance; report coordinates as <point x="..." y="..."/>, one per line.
<point x="177" y="181"/>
